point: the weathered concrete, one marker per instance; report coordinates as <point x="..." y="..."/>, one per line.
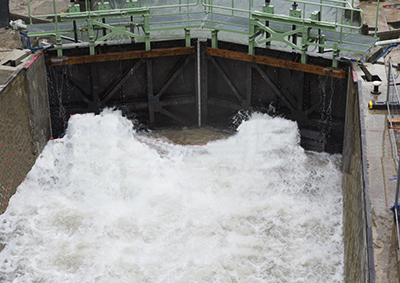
<point x="354" y="208"/>
<point x="24" y="124"/>
<point x="4" y="13"/>
<point x="381" y="168"/>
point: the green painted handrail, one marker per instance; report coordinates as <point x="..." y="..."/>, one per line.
<point x="169" y="6"/>
<point x="212" y="6"/>
<point x="343" y="8"/>
<point x="141" y="16"/>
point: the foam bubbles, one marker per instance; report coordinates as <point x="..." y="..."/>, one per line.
<point x="104" y="204"/>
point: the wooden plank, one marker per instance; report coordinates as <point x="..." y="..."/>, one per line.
<point x="117" y="56"/>
<point x="80" y="91"/>
<point x="227" y="79"/>
<point x="181" y="120"/>
<point x="276" y="90"/>
<point x="189" y="99"/>
<point x="224" y="103"/>
<point x="391" y="34"/>
<point x="122" y="81"/>
<point x="175" y="72"/>
<point x="325" y="71"/>
<point x="394" y="120"/>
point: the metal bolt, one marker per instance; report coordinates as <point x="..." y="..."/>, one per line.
<point x="376" y="90"/>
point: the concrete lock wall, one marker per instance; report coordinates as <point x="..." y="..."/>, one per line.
<point x="24" y="125"/>
<point x="358" y="254"/>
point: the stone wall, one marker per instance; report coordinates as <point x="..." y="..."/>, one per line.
<point x="357" y="255"/>
<point x="24" y="125"/>
<point x="4" y="13"/>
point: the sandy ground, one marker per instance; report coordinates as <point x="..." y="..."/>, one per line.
<point x="39" y="7"/>
<point x="389" y="11"/>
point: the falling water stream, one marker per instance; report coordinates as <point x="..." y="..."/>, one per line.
<point x="107" y="204"/>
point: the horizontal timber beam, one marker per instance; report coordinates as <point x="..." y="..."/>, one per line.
<point x="178" y="101"/>
<point x="224" y="103"/>
<point x="117" y="56"/>
<point x="262" y="60"/>
<point x="187" y="99"/>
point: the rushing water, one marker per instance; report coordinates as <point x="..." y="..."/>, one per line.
<point x="105" y="204"/>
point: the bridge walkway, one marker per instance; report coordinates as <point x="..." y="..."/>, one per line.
<point x="302" y="29"/>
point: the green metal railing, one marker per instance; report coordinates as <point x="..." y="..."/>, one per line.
<point x="141" y="19"/>
<point x="302" y="27"/>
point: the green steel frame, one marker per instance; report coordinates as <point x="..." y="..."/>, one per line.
<point x="211" y="15"/>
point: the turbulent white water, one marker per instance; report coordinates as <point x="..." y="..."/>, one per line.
<point x="104" y="204"/>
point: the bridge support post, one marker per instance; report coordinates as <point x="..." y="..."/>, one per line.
<point x="321" y="41"/>
<point x="304" y="44"/>
<point x="187" y="37"/>
<point x="252" y="36"/>
<point x="59" y="52"/>
<point x="146" y="31"/>
<point x="304" y="58"/>
<point x="214" y="38"/>
<point x="335" y="63"/>
<point x="91" y="38"/>
<point x="267" y="9"/>
<point x="294" y="13"/>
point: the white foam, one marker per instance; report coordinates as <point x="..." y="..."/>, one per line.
<point x="102" y="206"/>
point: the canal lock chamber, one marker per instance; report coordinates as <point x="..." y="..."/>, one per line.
<point x="178" y="86"/>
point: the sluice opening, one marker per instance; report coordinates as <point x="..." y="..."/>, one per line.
<point x="163" y="91"/>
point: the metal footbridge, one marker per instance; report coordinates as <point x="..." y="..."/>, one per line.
<point x="299" y="25"/>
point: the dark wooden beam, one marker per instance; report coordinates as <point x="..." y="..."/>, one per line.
<point x="262" y="60"/>
<point x="386" y="35"/>
<point x="178" y="101"/>
<point x="173" y="116"/>
<point x="122" y="81"/>
<point x="184" y="100"/>
<point x="224" y="103"/>
<point x="226" y="78"/>
<point x="275" y="89"/>
<point x="117" y="56"/>
<point x="312" y="108"/>
<point x="80" y="91"/>
<point x="137" y="104"/>
<point x="174" y="73"/>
